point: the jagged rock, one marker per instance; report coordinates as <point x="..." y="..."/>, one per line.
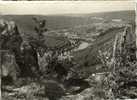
<point x="10" y="38"/>
<point x="25" y="54"/>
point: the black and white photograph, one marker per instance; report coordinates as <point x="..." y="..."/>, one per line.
<point x="80" y="50"/>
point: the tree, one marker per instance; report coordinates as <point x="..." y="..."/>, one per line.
<point x="40" y="27"/>
<point x="136" y="41"/>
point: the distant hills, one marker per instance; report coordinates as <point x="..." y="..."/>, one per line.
<point x="54" y="22"/>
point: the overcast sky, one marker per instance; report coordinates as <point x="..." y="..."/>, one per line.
<point x="64" y="7"/>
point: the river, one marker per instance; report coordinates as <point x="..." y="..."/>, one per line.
<point x="82" y="46"/>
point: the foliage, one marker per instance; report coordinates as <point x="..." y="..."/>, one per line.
<point x="122" y="77"/>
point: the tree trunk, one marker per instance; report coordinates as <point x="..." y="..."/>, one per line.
<point x="136" y="39"/>
<point x="136" y="29"/>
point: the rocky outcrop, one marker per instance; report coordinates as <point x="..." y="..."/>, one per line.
<point x="25" y="54"/>
<point x="10" y="38"/>
<point x="9" y="67"/>
<point x="10" y="41"/>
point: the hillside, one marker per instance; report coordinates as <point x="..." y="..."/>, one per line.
<point x="80" y="23"/>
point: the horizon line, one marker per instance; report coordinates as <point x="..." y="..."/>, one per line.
<point x="64" y="14"/>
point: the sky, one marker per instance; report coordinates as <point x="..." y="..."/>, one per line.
<point x="63" y="7"/>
